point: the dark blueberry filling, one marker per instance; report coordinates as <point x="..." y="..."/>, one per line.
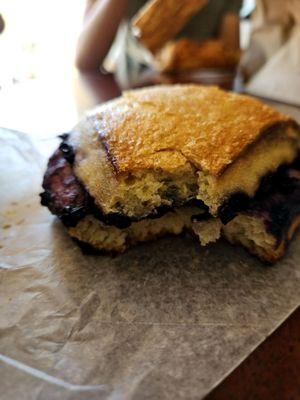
<point x="64" y="136"/>
<point x="66" y="149"/>
<point x="280" y="218"/>
<point x="277" y="200"/>
<point x="201" y="217"/>
<point x="197" y="203"/>
<point x="122" y="221"/>
<point x="63" y="193"/>
<point x="45" y="198"/>
<point x="116" y="219"/>
<point x="71" y="215"/>
<point x="230" y="208"/>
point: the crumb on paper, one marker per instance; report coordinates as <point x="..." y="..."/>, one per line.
<point x="21" y="221"/>
<point x="10" y="212"/>
<point x="14" y="203"/>
<point x="6" y="226"/>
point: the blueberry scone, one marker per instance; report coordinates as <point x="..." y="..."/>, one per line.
<point x="171" y="158"/>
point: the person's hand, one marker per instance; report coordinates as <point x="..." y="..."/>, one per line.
<point x="102" y="19"/>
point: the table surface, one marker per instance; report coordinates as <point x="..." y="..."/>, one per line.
<point x="44" y="109"/>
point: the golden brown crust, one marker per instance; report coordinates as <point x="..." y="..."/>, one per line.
<point x="186" y="54"/>
<point x="160" y="20"/>
<point x="162" y="127"/>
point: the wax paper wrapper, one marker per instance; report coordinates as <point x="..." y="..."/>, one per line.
<point x="165" y="320"/>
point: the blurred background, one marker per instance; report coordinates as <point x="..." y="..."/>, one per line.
<point x="37" y="49"/>
<point x="39" y="39"/>
<point x="42" y="92"/>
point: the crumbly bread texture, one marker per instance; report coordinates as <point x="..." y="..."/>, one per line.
<point x="186" y="55"/>
<point x="250" y="231"/>
<point x="109" y="238"/>
<point x="137" y="193"/>
<point x="167" y="144"/>
<point x="160" y="20"/>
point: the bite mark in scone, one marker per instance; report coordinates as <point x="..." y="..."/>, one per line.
<point x="173" y="158"/>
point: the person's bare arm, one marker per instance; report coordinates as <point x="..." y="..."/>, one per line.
<point x="230" y="31"/>
<point x="102" y="18"/>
